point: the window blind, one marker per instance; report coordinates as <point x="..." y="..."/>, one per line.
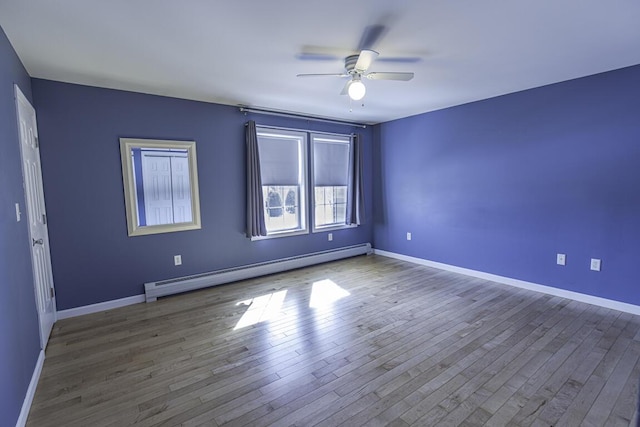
<point x="279" y="160"/>
<point x="330" y="162"/>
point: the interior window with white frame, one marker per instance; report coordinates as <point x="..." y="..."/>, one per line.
<point x="331" y="160"/>
<point x="283" y="160"/>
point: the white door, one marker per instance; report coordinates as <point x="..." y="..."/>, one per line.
<point x="167" y="190"/>
<point x="181" y="189"/>
<point x="37" y="216"/>
<point x="156" y="174"/>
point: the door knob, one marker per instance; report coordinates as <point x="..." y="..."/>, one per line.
<point x="37" y="242"/>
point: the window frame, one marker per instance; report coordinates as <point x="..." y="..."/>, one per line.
<point x="338" y="138"/>
<point x="307" y="179"/>
<point x="303" y="179"/>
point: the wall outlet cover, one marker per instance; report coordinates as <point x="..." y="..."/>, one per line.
<point x="595" y="264"/>
<point x="177" y="259"/>
<point x="561" y="259"/>
<point x="408" y="236"/>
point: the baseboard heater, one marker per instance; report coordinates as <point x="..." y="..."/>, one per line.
<point x="153" y="290"/>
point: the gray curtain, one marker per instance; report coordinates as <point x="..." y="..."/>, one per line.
<point x="255" y="203"/>
<point x="355" y="198"/>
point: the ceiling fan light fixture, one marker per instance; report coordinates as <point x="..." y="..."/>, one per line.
<point x="356" y="90"/>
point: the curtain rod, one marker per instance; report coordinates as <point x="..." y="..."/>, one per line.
<point x="316" y="132"/>
<point x="299" y="116"/>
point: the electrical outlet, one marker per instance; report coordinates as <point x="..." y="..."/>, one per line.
<point x="330" y="237"/>
<point x="595" y="264"/>
<point x="561" y="259"/>
<point x="408" y="236"/>
<point x="177" y="259"/>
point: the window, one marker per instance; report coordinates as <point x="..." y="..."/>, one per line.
<point x="331" y="155"/>
<point x="283" y="170"/>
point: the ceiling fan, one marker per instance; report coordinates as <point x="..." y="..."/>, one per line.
<point x="357" y="65"/>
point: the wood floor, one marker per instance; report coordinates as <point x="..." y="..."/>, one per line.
<point x="409" y="345"/>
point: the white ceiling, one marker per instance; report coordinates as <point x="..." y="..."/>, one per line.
<point x="245" y="52"/>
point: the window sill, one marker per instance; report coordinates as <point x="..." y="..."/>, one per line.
<point x="281" y="234"/>
<point x="333" y="228"/>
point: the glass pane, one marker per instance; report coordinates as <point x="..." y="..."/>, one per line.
<point x="328" y="195"/>
<point x="328" y="214"/>
<point x="341" y="213"/>
<point x="319" y="215"/>
<point x="282" y="210"/>
<point x="291" y="201"/>
<point x="319" y="196"/>
<point x="330" y="205"/>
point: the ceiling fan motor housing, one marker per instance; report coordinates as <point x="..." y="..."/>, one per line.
<point x="350" y="63"/>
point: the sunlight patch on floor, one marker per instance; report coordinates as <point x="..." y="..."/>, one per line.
<point x="326" y="292"/>
<point x="261" y="308"/>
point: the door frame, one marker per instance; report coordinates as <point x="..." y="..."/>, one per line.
<point x="43" y="328"/>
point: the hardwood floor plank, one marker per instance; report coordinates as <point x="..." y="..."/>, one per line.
<point x="409" y="345"/>
<point x="626" y="404"/>
<point x="556" y="369"/>
<point x="446" y="362"/>
<point x="611" y="390"/>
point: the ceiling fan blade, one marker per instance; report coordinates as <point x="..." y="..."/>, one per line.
<point x="308" y="56"/>
<point x="401" y="60"/>
<point x="365" y="59"/>
<point x="322" y="75"/>
<point x="323" y="53"/>
<point x="371" y="35"/>
<point x="390" y="76"/>
<point x="345" y="89"/>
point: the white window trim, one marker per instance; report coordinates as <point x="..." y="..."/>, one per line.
<point x="312" y="207"/>
<point x="307" y="199"/>
<point x="333" y="228"/>
<point x="278" y="234"/>
<point x="303" y="178"/>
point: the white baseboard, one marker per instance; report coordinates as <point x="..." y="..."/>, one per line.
<point x="31" y="391"/>
<point x="101" y="306"/>
<point x="154" y="290"/>
<point x="589" y="299"/>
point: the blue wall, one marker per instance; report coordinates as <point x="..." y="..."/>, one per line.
<point x="93" y="258"/>
<point x="504" y="184"/>
<point x="19" y="336"/>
